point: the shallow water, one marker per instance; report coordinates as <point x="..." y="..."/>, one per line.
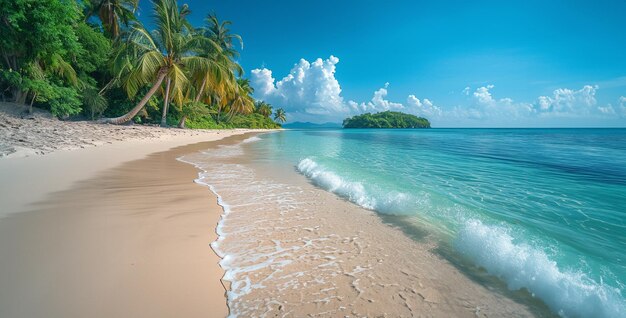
<point x="540" y="209"/>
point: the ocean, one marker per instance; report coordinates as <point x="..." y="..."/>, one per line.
<point x="540" y="211"/>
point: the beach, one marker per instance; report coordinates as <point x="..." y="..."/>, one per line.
<point x="276" y="223"/>
<point x="152" y="167"/>
<point x="117" y="229"/>
<point x="129" y="236"/>
<point x="292" y="249"/>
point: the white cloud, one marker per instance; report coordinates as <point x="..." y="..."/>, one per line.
<point x="311" y="92"/>
<point x="309" y="88"/>
<point x="378" y="103"/>
<point x="483" y="105"/>
<point x="577" y="105"/>
<point x="423" y="108"/>
<point x="262" y="81"/>
<point x="608" y="109"/>
<point x="483" y="96"/>
<point x="567" y="102"/>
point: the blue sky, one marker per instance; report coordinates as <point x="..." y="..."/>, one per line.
<point x="458" y="63"/>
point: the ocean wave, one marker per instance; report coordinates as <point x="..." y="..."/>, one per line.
<point x="251" y="139"/>
<point x="568" y="293"/>
<point x="368" y="197"/>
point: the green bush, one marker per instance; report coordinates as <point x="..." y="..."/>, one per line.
<point x="66" y="102"/>
<point x="253" y="121"/>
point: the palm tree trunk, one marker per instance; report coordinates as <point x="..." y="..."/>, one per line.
<point x="181" y="123"/>
<point x="30" y="107"/>
<point x="23" y="97"/>
<point x="166" y="102"/>
<point x="128" y="116"/>
<point x="199" y="95"/>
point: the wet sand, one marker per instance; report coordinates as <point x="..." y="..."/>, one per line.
<point x="129" y="241"/>
<point x="133" y="241"/>
<point x="294" y="250"/>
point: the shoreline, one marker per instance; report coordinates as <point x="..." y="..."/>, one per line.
<point x="90" y="217"/>
<point x="311" y="252"/>
<point x="64" y="167"/>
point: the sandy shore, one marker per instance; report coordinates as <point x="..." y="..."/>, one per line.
<point x="117" y="230"/>
<point x="40" y="133"/>
<point x="294" y="250"/>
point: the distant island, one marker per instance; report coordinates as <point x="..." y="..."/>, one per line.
<point x="387" y="119"/>
<point x="309" y="125"/>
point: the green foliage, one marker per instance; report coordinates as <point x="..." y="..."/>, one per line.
<point x="54" y="55"/>
<point x="196" y="109"/>
<point x="387" y="119"/>
<point x="64" y="101"/>
<point x="254" y="121"/>
<point x="95" y="51"/>
<point x="113" y="14"/>
<point x="37" y="30"/>
<point x="264" y="109"/>
<point x="49" y="55"/>
<point x="93" y="102"/>
<point x="280" y="116"/>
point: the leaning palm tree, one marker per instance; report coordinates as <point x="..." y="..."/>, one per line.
<point x="164" y="55"/>
<point x="279" y="115"/>
<point x="113" y="14"/>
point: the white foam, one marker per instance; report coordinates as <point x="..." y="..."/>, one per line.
<point x="389" y="202"/>
<point x="251" y="139"/>
<point x="570" y="294"/>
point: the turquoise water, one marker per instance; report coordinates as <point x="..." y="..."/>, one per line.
<point x="541" y="209"/>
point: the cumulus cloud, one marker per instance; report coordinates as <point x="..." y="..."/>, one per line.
<point x="422" y="107"/>
<point x="483" y="96"/>
<point x="309" y="88"/>
<point x="263" y="82"/>
<point x="567" y="102"/>
<point x="482" y="105"/>
<point x="378" y="103"/>
<point x="311" y="91"/>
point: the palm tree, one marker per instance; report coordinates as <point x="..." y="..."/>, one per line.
<point x="162" y="55"/>
<point x="213" y="77"/>
<point x="40" y="71"/>
<point x="220" y="34"/>
<point x="243" y="102"/>
<point x="215" y="81"/>
<point x="264" y="109"/>
<point x="279" y="115"/>
<point x="113" y="13"/>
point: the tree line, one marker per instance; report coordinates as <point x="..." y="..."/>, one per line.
<point x="94" y="58"/>
<point x="386" y="119"/>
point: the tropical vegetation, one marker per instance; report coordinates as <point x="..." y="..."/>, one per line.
<point x="93" y="59"/>
<point x="386" y="119"/>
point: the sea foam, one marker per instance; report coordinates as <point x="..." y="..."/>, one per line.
<point x="251" y="139"/>
<point x="370" y="198"/>
<point x="568" y="293"/>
